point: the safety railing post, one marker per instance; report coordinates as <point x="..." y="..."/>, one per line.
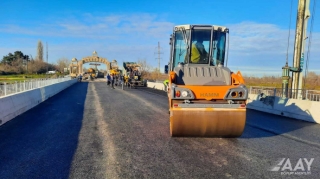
<point x="307" y="94"/>
<point x="5" y="88"/>
<point x="16" y="86"/>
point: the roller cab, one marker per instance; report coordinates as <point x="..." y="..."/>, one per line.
<point x="206" y="99"/>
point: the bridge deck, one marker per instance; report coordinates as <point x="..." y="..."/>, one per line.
<point x="92" y="131"/>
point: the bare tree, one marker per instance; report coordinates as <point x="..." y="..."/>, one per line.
<point x="36" y="66"/>
<point x="63" y="63"/>
<point x="40" y="51"/>
<point x="144" y="66"/>
<point x="145" y="69"/>
<point x="17" y="66"/>
<point x="312" y="80"/>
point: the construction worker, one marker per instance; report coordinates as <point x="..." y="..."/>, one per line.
<point x="112" y="80"/>
<point x="166" y="83"/>
<point x="108" y="79"/>
<point x="79" y="77"/>
<point x="126" y="79"/>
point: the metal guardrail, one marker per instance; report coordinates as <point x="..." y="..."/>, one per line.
<point x="302" y="94"/>
<point x="17" y="87"/>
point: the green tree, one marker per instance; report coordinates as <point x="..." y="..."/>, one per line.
<point x="16" y="56"/>
<point x="40" y="51"/>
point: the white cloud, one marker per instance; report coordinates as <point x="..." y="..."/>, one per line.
<point x="116" y="36"/>
<point x="258" y="38"/>
<point x="264" y="47"/>
<point x="254" y="48"/>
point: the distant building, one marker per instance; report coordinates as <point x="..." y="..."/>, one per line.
<point x="51" y="72"/>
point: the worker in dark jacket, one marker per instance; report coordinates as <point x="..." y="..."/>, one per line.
<point x="112" y="80"/>
<point x="108" y="79"/>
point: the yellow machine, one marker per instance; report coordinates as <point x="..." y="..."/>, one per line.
<point x="206" y="99"/>
<point x="114" y="68"/>
<point x="92" y="72"/>
<point x="133" y="74"/>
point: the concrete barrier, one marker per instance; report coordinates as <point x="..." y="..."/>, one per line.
<point x="16" y="104"/>
<point x="155" y="85"/>
<point x="294" y="108"/>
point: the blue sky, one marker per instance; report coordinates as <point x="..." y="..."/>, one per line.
<point x="131" y="30"/>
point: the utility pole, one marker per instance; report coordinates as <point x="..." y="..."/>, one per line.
<point x="159" y="52"/>
<point x="47" y="55"/>
<point x="299" y="45"/>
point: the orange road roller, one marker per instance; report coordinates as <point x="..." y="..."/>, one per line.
<point x="206" y="99"/>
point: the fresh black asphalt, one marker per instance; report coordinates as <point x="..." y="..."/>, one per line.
<point x="92" y="131"/>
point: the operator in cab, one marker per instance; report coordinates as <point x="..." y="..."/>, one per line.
<point x="198" y="52"/>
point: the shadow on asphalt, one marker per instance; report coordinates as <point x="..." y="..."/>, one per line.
<point x="41" y="142"/>
<point x="272" y="125"/>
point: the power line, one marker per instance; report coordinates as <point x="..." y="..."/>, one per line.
<point x="309" y="43"/>
<point x="289" y="33"/>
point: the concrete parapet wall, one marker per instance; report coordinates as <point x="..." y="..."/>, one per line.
<point x="159" y="86"/>
<point x="293" y="108"/>
<point x="16" y="104"/>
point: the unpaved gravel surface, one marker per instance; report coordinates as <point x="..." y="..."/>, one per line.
<point x="92" y="131"/>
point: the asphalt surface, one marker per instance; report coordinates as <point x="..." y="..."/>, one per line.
<point x="93" y="131"/>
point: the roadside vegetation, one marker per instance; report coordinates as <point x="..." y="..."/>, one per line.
<point x="17" y="66"/>
<point x="312" y="81"/>
<point x="23" y="77"/>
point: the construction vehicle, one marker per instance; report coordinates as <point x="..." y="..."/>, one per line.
<point x="206" y="99"/>
<point x="114" y="68"/>
<point x="133" y="74"/>
<point x="90" y="72"/>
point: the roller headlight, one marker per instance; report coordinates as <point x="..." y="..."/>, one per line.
<point x="184" y="93"/>
<point x="238" y="93"/>
<point x="180" y="93"/>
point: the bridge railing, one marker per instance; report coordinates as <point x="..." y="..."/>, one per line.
<point x="311" y="95"/>
<point x="17" y="87"/>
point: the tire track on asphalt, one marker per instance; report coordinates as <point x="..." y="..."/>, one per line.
<point x="106" y="141"/>
<point x="147" y="103"/>
<point x="95" y="155"/>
